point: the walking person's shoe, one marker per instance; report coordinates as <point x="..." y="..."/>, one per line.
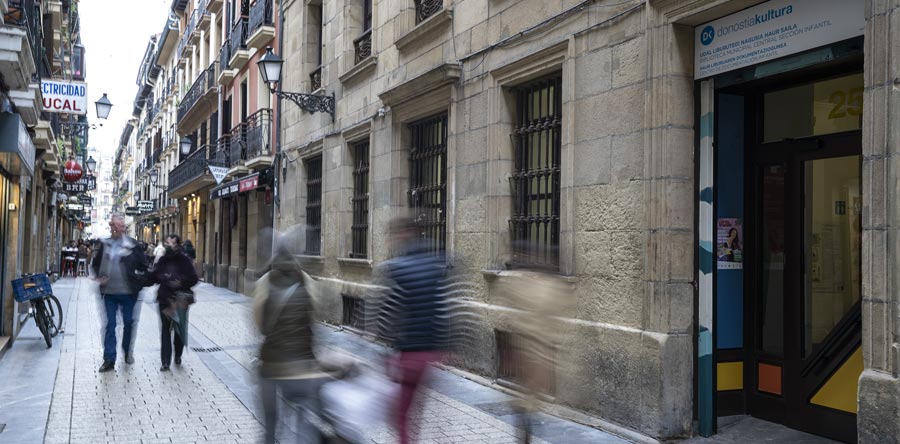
<point x="129" y="358"/>
<point x="178" y="360"/>
<point x="164" y="368"/>
<point x="107" y="366"/>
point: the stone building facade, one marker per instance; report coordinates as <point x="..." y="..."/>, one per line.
<point x="439" y="104"/>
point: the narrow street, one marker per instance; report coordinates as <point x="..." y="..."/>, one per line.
<point x="57" y="396"/>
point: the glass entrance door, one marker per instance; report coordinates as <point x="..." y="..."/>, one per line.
<point x="804" y="259"/>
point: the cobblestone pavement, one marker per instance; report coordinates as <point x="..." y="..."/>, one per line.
<point x="212" y="397"/>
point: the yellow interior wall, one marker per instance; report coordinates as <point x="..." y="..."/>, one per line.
<point x="840" y="390"/>
<point x="729" y="376"/>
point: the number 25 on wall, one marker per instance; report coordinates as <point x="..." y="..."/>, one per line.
<point x="846" y="103"/>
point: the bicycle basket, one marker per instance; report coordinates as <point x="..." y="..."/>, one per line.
<point x="31" y="287"/>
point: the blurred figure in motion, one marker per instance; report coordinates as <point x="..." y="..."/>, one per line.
<point x="189" y="250"/>
<point x="540" y="297"/>
<point x="175" y="274"/>
<point x="121" y="270"/>
<point x="411" y="317"/>
<point x="283" y="311"/>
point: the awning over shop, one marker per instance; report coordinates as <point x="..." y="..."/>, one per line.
<point x="16" y="148"/>
<point x="229" y="189"/>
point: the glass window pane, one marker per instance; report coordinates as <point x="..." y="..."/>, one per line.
<point x="833" y="236"/>
<point x="771" y="329"/>
<point x="826" y="107"/>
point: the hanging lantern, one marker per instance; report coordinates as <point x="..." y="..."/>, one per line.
<point x="72" y="171"/>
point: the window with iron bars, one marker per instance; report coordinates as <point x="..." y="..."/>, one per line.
<point x="360" y="227"/>
<point x="534" y="225"/>
<point x="428" y="178"/>
<point x="314" y="206"/>
<point x="427" y="8"/>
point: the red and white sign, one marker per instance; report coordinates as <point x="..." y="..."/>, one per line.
<point x="72" y="171"/>
<point x="64" y="97"/>
<point x="249" y="183"/>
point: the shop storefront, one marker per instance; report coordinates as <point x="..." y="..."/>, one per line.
<point x="780" y="202"/>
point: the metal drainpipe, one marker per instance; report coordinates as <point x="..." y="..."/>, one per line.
<point x="276" y="165"/>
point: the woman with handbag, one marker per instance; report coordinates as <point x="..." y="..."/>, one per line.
<point x="175" y="275"/>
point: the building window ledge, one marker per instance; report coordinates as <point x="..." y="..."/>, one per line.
<point x="428" y="27"/>
<point x="492" y="275"/>
<point x="357" y="70"/>
<point x="355" y="262"/>
<point x="310" y="258"/>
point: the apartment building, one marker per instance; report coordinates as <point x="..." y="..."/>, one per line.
<point x="653" y="153"/>
<point x="40" y="42"/>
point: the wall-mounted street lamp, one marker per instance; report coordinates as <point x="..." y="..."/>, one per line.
<point x="186" y="145"/>
<point x="90" y="164"/>
<point x="270" y="70"/>
<point x="154" y="178"/>
<point x="104" y="106"/>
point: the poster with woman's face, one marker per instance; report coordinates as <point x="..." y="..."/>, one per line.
<point x="729" y="244"/>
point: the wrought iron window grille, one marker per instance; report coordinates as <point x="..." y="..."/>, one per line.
<point x="535" y="182"/>
<point x="363" y="46"/>
<point x="314" y="206"/>
<point x="428" y="179"/>
<point x="360" y="201"/>
<point x="427" y="8"/>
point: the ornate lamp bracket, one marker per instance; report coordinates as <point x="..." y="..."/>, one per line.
<point x="310" y="103"/>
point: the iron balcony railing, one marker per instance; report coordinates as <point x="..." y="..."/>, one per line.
<point x="427" y="8"/>
<point x="192" y="167"/>
<point x="261" y="14"/>
<point x="315" y="79"/>
<point x="224" y="56"/>
<point x="27" y="14"/>
<point x="188" y="31"/>
<point x="256" y="133"/>
<point x="205" y="81"/>
<point x="238" y="38"/>
<point x="220" y="154"/>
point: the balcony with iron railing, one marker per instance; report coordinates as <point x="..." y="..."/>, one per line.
<point x="250" y="142"/>
<point x="220" y="153"/>
<point x="26" y="15"/>
<point x="226" y="74"/>
<point x="237" y="41"/>
<point x="192" y="173"/>
<point x="199" y="102"/>
<point x="262" y="24"/>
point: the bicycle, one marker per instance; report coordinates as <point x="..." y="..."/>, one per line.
<point x="45" y="307"/>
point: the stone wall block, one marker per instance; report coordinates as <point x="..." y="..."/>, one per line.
<point x="592" y="254"/>
<point x="473" y="148"/>
<point x="629" y="62"/>
<point x="666" y="382"/>
<point x="593" y="161"/>
<point x="876" y="335"/>
<point x="472" y="181"/>
<point x="874" y="283"/>
<point x="620" y="110"/>
<point x="593" y="73"/>
<point x="470" y="216"/>
<point x="679" y="204"/>
<point x="627" y="157"/>
<point x="878" y="420"/>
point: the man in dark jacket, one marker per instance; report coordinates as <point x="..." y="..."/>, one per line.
<point x="413" y="318"/>
<point x="174" y="272"/>
<point x="121" y="269"/>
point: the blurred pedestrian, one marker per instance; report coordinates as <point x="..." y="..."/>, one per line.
<point x="283" y="310"/>
<point x="121" y="270"/>
<point x="175" y="274"/>
<point x="411" y="318"/>
<point x="159" y="251"/>
<point x="189" y="249"/>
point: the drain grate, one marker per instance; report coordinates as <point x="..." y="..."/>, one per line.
<point x="206" y="350"/>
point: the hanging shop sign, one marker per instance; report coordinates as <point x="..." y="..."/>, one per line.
<point x="74" y="187"/>
<point x="771" y="30"/>
<point x="85" y="199"/>
<point x="229" y="189"/>
<point x="72" y="171"/>
<point x="64" y="97"/>
<point x="218" y="173"/>
<point x="145" y="206"/>
<point x="132" y="211"/>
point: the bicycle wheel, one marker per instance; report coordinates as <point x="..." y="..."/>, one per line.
<point x="41" y="319"/>
<point x="54" y="308"/>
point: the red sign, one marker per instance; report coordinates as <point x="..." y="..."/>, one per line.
<point x="249" y="183"/>
<point x="72" y="171"/>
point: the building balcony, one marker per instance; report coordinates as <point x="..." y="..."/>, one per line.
<point x="204" y="19"/>
<point x="226" y="74"/>
<point x="262" y="24"/>
<point x="215" y="6"/>
<point x="17" y="63"/>
<point x="55" y="10"/>
<point x="255" y="136"/>
<point x="199" y="102"/>
<point x="28" y="103"/>
<point x="191" y="174"/>
<point x="179" y="5"/>
<point x="240" y="54"/>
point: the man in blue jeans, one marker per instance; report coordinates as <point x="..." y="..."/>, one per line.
<point x="121" y="269"/>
